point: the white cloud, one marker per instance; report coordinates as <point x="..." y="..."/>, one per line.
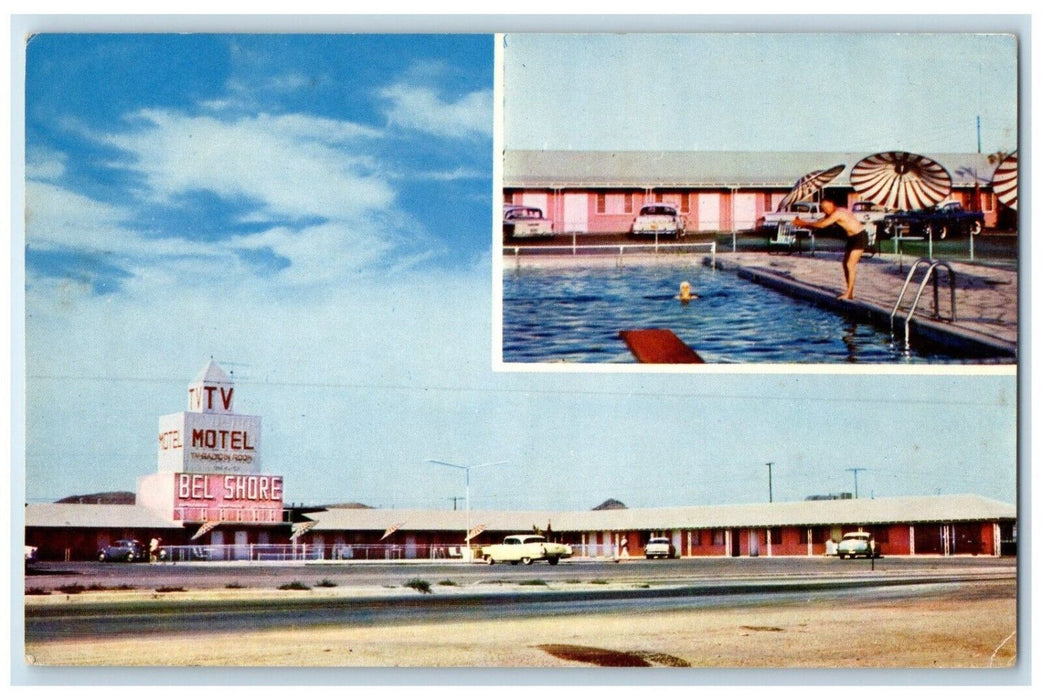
<point x="420" y="108"/>
<point x="44" y="164"/>
<point x="56" y="216"/>
<point x="295" y="165"/>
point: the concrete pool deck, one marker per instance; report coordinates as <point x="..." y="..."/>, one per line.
<point x="986" y="296"/>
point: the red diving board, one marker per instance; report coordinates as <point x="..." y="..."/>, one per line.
<point x="659" y="346"/>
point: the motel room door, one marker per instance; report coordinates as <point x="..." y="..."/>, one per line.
<point x="708" y="211"/>
<point x="744" y="211"/>
<point x="576" y="213"/>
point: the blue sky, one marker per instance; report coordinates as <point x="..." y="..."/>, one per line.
<point x="762" y="91"/>
<point x="315" y="213"/>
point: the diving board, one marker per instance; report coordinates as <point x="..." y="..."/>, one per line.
<point x="659" y="346"/>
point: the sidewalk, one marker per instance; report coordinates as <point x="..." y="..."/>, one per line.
<point x="986" y="298"/>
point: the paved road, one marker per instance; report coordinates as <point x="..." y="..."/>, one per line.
<point x="49" y="576"/>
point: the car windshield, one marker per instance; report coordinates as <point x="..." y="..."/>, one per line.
<point x="658" y="210"/>
<point x="525" y="214"/>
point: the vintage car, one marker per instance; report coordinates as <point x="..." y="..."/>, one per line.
<point x="123" y="550"/>
<point x="525" y="549"/>
<point x="872" y="215"/>
<point x="526" y="222"/>
<point x="946" y="220"/>
<point x="857" y="544"/>
<point x="808" y="211"/>
<point x="659" y="219"/>
<point x="659" y="548"/>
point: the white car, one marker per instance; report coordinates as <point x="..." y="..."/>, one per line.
<point x="857" y="544"/>
<point x="808" y="211"/>
<point x="870" y="214"/>
<point x="659" y="548"/>
<point x="526" y="222"/>
<point x="525" y="549"/>
<point x="658" y="219"/>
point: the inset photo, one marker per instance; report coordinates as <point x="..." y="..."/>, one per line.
<point x="821" y="200"/>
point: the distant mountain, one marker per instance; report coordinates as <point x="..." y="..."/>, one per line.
<point x="611" y="504"/>
<point x="121" y="498"/>
<point x="347" y="505"/>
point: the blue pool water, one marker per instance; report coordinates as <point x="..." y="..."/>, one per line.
<point x="575" y="315"/>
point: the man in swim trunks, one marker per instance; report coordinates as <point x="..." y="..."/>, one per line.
<point x="857" y="239"/>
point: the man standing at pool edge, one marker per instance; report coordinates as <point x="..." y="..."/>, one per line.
<point x="857" y="239"/>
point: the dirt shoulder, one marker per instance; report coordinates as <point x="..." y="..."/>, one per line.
<point x="974" y="628"/>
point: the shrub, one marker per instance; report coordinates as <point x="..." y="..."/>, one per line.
<point x="419" y="585"/>
<point x="294" y="586"/>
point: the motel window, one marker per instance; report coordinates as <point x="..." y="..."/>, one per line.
<point x="774" y="535"/>
<point x="628" y="202"/>
<point x="508" y="198"/>
<point x="718" y="537"/>
<point x="601" y="203"/>
<point x="696" y="538"/>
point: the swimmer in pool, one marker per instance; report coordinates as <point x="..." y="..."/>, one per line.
<point x="857" y="239"/>
<point x="685" y="293"/>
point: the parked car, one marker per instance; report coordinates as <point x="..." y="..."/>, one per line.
<point x="525" y="549"/>
<point x="945" y="220"/>
<point x="526" y="222"/>
<point x="124" y="550"/>
<point x="809" y="211"/>
<point x="857" y="544"/>
<point x="660" y="548"/>
<point x="872" y="215"/>
<point x="659" y="219"/>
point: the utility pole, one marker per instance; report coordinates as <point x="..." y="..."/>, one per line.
<point x="770" y="483"/>
<point x="455" y="500"/>
<point x="856" y="470"/>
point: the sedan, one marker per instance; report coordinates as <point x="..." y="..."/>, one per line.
<point x="123" y="550"/>
<point x="659" y="547"/>
<point x="857" y="544"/>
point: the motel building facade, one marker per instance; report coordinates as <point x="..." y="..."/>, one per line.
<point x="210" y="500"/>
<point x="601" y="192"/>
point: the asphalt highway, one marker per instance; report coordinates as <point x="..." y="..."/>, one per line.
<point x="462" y="591"/>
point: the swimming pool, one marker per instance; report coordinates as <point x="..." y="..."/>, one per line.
<point x="575" y="315"/>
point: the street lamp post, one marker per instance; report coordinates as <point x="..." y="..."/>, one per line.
<point x="466" y="469"/>
<point x="770" y="483"/>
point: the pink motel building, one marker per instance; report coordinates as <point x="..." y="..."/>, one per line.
<point x="209" y="498"/>
<point x="602" y="191"/>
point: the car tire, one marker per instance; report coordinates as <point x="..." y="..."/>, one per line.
<point x="552" y="561"/>
<point x="975" y="228"/>
<point x="102" y="556"/>
<point x="490" y="561"/>
<point x="527" y="561"/>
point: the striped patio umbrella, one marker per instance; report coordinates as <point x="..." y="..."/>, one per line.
<point x="900" y="180"/>
<point x="809" y="184"/>
<point x="1004" y="182"/>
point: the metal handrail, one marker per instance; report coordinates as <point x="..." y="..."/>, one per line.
<point x="620" y="249"/>
<point x="932" y="265"/>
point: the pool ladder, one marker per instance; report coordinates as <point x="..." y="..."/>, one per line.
<point x="932" y="265"/>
